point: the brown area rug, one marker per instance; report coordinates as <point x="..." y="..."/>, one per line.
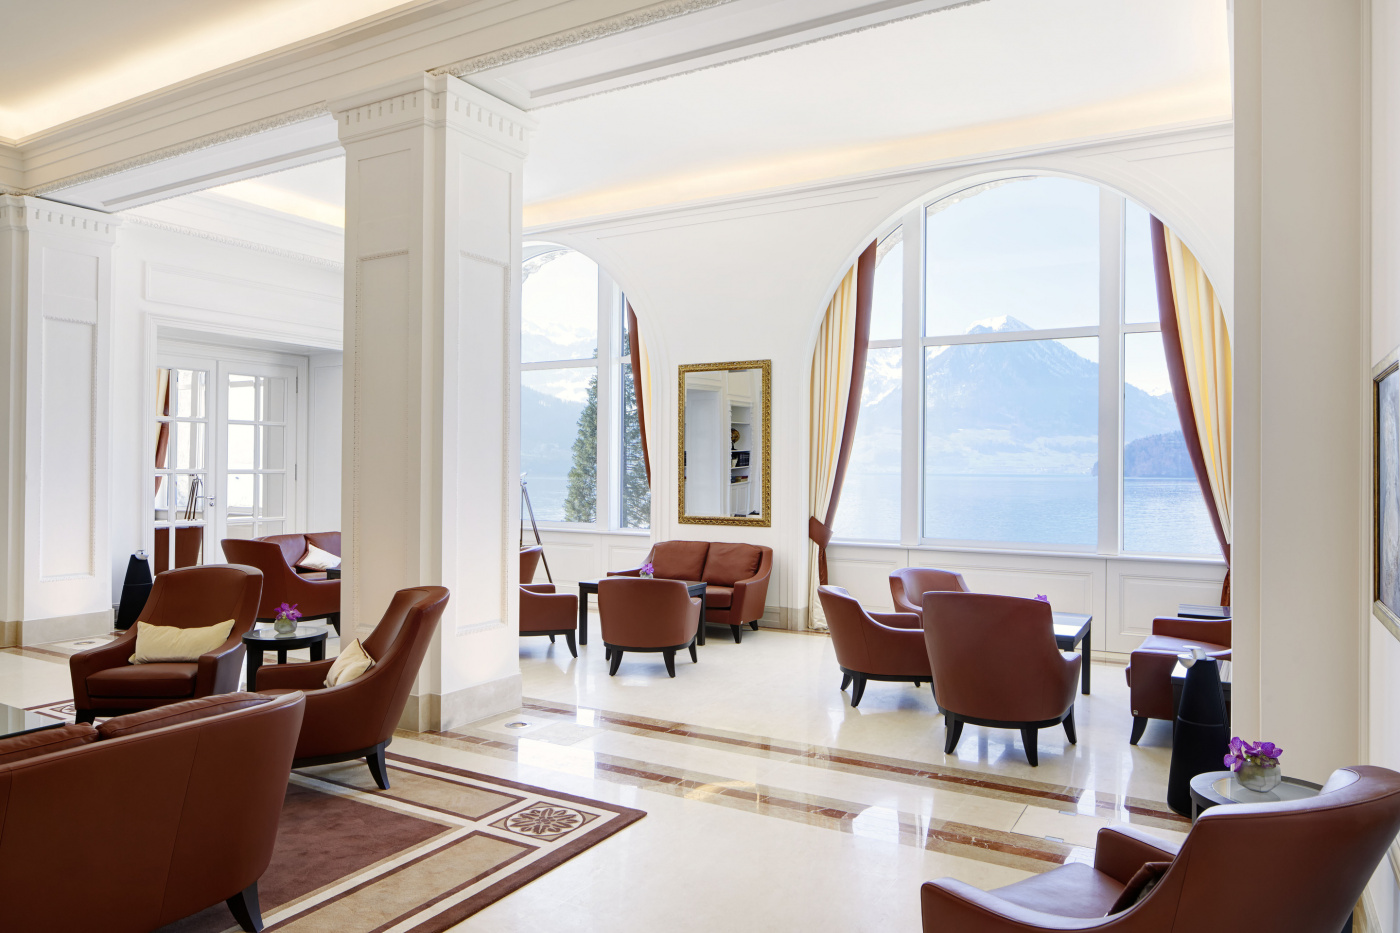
<point x="438" y="846"/>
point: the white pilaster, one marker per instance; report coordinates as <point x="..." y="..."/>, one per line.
<point x="55" y="321"/>
<point x="432" y="349"/>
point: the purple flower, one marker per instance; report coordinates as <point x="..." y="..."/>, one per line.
<point x="1042" y="597"/>
<point x="648" y="568"/>
<point x="1234" y="762"/>
<point x="286" y="611"/>
<point x="1237" y="746"/>
<point x="1268" y="750"/>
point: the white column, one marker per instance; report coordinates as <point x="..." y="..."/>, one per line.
<point x="55" y="321"/>
<point x="432" y="349"/>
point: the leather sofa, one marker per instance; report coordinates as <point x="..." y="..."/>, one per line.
<point x="357" y="719"/>
<point x="276" y="555"/>
<point x="909" y="584"/>
<point x="188" y="816"/>
<point x="1292" y="867"/>
<point x="647" y="615"/>
<point x="1150" y="667"/>
<point x="995" y="663"/>
<point x="873" y="645"/>
<point x="105" y="683"/>
<point x="736" y="577"/>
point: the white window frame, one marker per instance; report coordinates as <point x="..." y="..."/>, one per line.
<point x="1110" y="331"/>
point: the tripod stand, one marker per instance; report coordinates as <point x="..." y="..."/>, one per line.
<point x="525" y="493"/>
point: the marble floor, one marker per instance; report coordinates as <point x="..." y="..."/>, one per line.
<point x="771" y="803"/>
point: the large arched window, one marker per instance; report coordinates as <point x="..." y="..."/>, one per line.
<point x="579" y="439"/>
<point x="1016" y="392"/>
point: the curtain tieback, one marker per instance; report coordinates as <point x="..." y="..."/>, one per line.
<point x="818" y="532"/>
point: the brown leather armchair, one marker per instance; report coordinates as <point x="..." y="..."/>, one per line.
<point x="1302" y="864"/>
<point x="873" y="645"/>
<point x="358" y="719"/>
<point x="106" y="683"/>
<point x="909" y="584"/>
<point x="647" y="615"/>
<point x="736" y="577"/>
<point x="1150" y="667"/>
<point x="995" y="664"/>
<point x="276" y="555"/>
<point x="193" y="822"/>
<point x="529" y="562"/>
<point x="545" y="612"/>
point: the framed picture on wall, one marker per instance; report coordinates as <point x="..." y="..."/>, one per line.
<point x="1386" y="492"/>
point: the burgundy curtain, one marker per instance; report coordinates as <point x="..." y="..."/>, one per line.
<point x="1181" y="392"/>
<point x="820" y="531"/>
<point x="634" y="344"/>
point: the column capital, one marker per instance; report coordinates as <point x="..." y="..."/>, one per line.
<point x="434" y="101"/>
<point x="19" y="212"/>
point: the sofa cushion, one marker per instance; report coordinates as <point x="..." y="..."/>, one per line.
<point x="176" y="713"/>
<point x="20" y="747"/>
<point x="679" y="560"/>
<point x="156" y="643"/>
<point x="318" y="559"/>
<point x="350" y="664"/>
<point x="144" y="680"/>
<point x="719" y="597"/>
<point x="325" y="540"/>
<point x="727" y="564"/>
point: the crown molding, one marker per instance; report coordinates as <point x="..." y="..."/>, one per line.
<point x="437" y="100"/>
<point x="39" y="215"/>
<point x="237" y="242"/>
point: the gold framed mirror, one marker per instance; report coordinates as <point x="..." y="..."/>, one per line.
<point x="725" y="462"/>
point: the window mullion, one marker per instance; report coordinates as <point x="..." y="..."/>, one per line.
<point x="912" y="382"/>
<point x="1111" y="220"/>
<point x="605" y="514"/>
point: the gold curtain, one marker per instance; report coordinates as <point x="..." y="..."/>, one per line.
<point x="1205" y="350"/>
<point x="831" y="389"/>
<point x="649" y="421"/>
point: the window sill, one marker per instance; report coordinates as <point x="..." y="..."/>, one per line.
<point x="572" y="529"/>
<point x="1023" y="552"/>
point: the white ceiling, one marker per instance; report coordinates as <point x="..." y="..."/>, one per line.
<point x="987" y="76"/>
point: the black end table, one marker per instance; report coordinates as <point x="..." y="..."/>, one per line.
<point x="1071" y="630"/>
<point x="266" y="639"/>
<point x="585" y="587"/>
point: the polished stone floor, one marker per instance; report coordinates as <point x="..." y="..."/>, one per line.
<point x="771" y="803"/>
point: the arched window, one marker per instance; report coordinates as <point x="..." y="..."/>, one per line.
<point x="1016" y="391"/>
<point x="579" y="443"/>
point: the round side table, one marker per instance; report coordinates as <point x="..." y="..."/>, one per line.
<point x="1219" y="788"/>
<point x="266" y="639"/>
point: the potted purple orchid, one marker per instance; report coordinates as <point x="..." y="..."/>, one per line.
<point x="648" y="570"/>
<point x="1255" y="764"/>
<point x="286" y="621"/>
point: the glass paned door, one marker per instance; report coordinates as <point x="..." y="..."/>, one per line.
<point x="182" y="492"/>
<point x="257" y="443"/>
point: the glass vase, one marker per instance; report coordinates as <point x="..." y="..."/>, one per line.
<point x="1259" y="778"/>
<point x="646" y="575"/>
<point x="284" y="626"/>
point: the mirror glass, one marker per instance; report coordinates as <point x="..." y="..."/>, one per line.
<point x="724" y="443"/>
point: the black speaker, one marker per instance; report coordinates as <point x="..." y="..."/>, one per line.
<point x="135" y="588"/>
<point x="1202" y="736"/>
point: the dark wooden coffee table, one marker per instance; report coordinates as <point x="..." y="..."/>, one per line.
<point x="265" y="639"/>
<point x="1071" y="630"/>
<point x="587" y="587"/>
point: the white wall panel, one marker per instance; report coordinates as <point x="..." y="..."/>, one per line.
<point x="68" y="456"/>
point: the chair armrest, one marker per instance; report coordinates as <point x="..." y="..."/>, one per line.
<point x="311" y="676"/>
<point x="954" y="906"/>
<point x="1210" y="631"/>
<point x="1121" y="850"/>
<point x="905" y="620"/>
<point x="548" y="610"/>
<point x="84" y="664"/>
<point x="902" y="604"/>
<point x="632" y="572"/>
<point x="313" y="597"/>
<point x="218" y="669"/>
<point x="544" y="588"/>
<point x="750" y="597"/>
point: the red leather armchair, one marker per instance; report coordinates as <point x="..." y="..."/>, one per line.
<point x="545" y="612"/>
<point x="873" y="645"/>
<point x="1149" y="670"/>
<point x="358" y="719"/>
<point x="909" y="584"/>
<point x="736" y="577"/>
<point x="995" y="664"/>
<point x="276" y="555"/>
<point x="193" y="823"/>
<point x="106" y="683"/>
<point x="647" y="615"/>
<point x="1303" y="862"/>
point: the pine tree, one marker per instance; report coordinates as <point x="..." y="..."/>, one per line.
<point x="636" y="494"/>
<point x="581" y="503"/>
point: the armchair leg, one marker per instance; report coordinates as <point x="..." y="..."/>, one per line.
<point x="858" y="690"/>
<point x="377" y="767"/>
<point x="670" y="655"/>
<point x="551" y="639"/>
<point x="1069" y="729"/>
<point x="738" y="631"/>
<point x="84" y="715"/>
<point x="244" y="907"/>
<point x="1139" y="726"/>
<point x="334" y="620"/>
<point x="573" y="644"/>
<point x="953" y="732"/>
<point x="1028" y="738"/>
<point x="694" y="659"/>
<point x="754" y="625"/>
<point x="616" y="662"/>
<point x="845" y="679"/>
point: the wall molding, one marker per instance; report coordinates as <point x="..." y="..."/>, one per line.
<point x="220" y="238"/>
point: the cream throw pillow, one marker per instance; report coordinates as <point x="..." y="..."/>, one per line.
<point x="349" y="664"/>
<point x="156" y="643"/>
<point x="317" y="559"/>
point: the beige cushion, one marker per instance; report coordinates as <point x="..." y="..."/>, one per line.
<point x="317" y="559"/>
<point x="162" y="643"/>
<point x="351" y="663"/>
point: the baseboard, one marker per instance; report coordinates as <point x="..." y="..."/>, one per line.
<point x="431" y="712"/>
<point x="59" y="628"/>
